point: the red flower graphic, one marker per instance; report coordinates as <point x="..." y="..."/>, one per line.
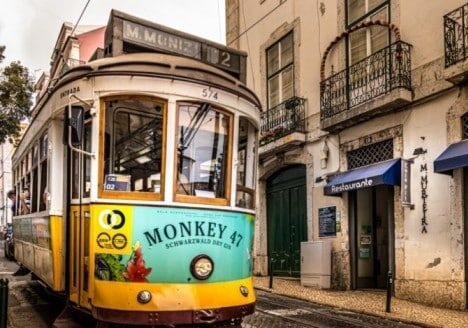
<point x="136" y="268"/>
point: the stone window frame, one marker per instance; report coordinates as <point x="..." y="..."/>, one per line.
<point x="279" y="72"/>
<point x="280" y="32"/>
<point x="395" y="133"/>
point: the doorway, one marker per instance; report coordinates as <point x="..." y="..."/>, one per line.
<point x="371" y="236"/>
<point x="286" y="219"/>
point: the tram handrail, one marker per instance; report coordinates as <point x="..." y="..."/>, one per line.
<point x="92" y="155"/>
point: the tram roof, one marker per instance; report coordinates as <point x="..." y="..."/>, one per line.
<point x="129" y="34"/>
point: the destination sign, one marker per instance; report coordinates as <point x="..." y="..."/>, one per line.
<point x="172" y="43"/>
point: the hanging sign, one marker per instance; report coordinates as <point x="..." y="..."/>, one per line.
<point x="406" y="183"/>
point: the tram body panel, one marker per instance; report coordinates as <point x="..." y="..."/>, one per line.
<point x="135" y="248"/>
<point x="167" y="297"/>
<point x="39" y="247"/>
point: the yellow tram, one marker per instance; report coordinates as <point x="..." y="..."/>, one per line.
<point x="139" y="175"/>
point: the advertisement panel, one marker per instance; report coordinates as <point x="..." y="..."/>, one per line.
<point x="157" y="244"/>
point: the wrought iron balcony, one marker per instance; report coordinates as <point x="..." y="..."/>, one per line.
<point x="456" y="35"/>
<point x="284" y="119"/>
<point x="385" y="70"/>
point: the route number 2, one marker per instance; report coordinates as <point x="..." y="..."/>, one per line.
<point x="210" y="94"/>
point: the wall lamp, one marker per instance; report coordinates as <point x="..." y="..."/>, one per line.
<point x="419" y="151"/>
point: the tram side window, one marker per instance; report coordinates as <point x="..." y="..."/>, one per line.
<point x="133" y="146"/>
<point x="43" y="164"/>
<point x="81" y="164"/>
<point x="203" y="151"/>
<point x="30" y="179"/>
<point x="246" y="145"/>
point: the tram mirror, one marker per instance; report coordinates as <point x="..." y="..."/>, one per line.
<point x="73" y="124"/>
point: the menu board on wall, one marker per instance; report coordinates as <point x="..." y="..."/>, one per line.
<point x="327" y="221"/>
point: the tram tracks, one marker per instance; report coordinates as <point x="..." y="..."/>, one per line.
<point x="289" y="312"/>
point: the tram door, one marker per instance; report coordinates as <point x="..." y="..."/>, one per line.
<point x="286" y="219"/>
<point x="79" y="216"/>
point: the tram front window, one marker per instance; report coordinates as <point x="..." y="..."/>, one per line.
<point x="203" y="151"/>
<point x="133" y="145"/>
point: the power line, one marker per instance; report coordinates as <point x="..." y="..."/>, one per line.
<point x="79" y="18"/>
<point x="249" y="58"/>
<point x="263" y="17"/>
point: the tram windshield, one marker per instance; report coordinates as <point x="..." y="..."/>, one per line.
<point x="133" y="145"/>
<point x="203" y="155"/>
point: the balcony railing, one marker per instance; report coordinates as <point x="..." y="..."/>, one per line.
<point x="456" y="35"/>
<point x="378" y="74"/>
<point x="285" y="118"/>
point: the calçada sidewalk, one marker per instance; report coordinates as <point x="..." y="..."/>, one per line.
<point x="369" y="302"/>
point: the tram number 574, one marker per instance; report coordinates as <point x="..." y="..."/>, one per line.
<point x="210" y="94"/>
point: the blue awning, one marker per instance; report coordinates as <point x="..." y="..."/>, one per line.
<point x="387" y="173"/>
<point x="454" y="157"/>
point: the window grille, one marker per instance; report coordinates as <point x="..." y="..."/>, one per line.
<point x="465" y="126"/>
<point x="378" y="152"/>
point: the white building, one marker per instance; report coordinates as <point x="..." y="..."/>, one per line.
<point x="348" y="97"/>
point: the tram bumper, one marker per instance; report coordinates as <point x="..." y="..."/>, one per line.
<point x="202" y="316"/>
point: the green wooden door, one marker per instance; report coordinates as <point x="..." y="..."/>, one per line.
<point x="286" y="219"/>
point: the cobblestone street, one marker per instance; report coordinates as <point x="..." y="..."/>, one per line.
<point x="31" y="306"/>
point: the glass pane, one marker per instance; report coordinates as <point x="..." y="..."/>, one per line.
<point x="35" y="155"/>
<point x="133" y="145"/>
<point x="356" y="9"/>
<point x="273" y="59"/>
<point x="374" y="3"/>
<point x="273" y="91"/>
<point x="379" y="34"/>
<point x="34" y="190"/>
<point x="245" y="199"/>
<point x="75" y="175"/>
<point x="202" y="151"/>
<point x="44" y="200"/>
<point x="358" y="46"/>
<point x="87" y="161"/>
<point x="287" y="80"/>
<point x="286" y="50"/>
<point x="246" y="164"/>
<point x="44" y="146"/>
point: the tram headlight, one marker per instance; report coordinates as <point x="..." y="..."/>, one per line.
<point x="202" y="267"/>
<point x="144" y="297"/>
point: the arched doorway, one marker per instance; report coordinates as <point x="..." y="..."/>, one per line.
<point x="286" y="219"/>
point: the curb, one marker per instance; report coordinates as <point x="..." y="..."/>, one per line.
<point x="369" y="313"/>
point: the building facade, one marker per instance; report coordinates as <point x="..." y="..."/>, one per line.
<point x="364" y="116"/>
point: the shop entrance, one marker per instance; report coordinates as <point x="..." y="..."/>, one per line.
<point x="371" y="236"/>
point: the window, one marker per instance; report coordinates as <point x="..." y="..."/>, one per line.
<point x="364" y="42"/>
<point x="246" y="145"/>
<point x="374" y="153"/>
<point x="465" y="126"/>
<point x="203" y="153"/>
<point x="280" y="71"/>
<point x="133" y="148"/>
<point x="30" y="179"/>
<point x="81" y="163"/>
<point x="44" y="176"/>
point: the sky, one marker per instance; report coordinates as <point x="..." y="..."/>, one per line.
<point x="29" y="28"/>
